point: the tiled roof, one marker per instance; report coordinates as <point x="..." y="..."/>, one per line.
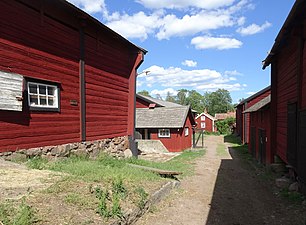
<point x="259" y="105"/>
<point x="162" y="117"/>
<point x="222" y="116"/>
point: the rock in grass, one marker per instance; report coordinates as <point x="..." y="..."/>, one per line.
<point x="282" y="182"/>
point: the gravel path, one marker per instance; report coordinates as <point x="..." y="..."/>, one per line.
<point x="225" y="190"/>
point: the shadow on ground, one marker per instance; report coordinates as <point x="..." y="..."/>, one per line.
<point x="242" y="197"/>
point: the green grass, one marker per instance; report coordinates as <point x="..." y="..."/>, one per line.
<point x="107" y="183"/>
<point x="232" y="139"/>
<point x="293" y="197"/>
<point x="221" y="150"/>
<point x="22" y="214"/>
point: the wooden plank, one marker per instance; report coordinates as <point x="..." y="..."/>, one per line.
<point x="155" y="170"/>
<point x="10" y="89"/>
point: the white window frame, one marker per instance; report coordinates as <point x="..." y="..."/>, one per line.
<point x="203" y="125"/>
<point x="186" y="131"/>
<point x="164" y="133"/>
<point x="46" y="107"/>
<point x="202" y="118"/>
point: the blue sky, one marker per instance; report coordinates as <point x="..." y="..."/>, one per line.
<point x="198" y="45"/>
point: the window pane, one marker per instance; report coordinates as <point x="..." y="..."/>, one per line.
<point x="32" y="88"/>
<point x="43" y="100"/>
<point x="42" y="89"/>
<point x="51" y="91"/>
<point x="50" y="101"/>
<point x="33" y="100"/>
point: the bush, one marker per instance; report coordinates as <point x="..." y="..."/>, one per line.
<point x="226" y="126"/>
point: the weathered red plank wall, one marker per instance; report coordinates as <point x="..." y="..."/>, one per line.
<point x="36" y="45"/>
<point x="287" y="92"/>
<point x="208" y="124"/>
<point x="178" y="141"/>
<point x="261" y="120"/>
<point x="27" y="48"/>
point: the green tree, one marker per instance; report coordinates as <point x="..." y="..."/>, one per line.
<point x="144" y="92"/>
<point x="196" y="101"/>
<point x="219" y="101"/>
<point x="170" y="98"/>
<point x="181" y="97"/>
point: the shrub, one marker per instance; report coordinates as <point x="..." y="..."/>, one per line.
<point x="225" y="126"/>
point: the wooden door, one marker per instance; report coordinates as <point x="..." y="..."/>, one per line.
<point x="301" y="153"/>
<point x="262" y="146"/>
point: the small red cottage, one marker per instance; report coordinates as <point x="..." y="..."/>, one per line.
<point x="243" y="120"/>
<point x="64" y="78"/>
<point x="205" y="122"/>
<point x="260" y="132"/>
<point x="168" y="122"/>
<point x="288" y="91"/>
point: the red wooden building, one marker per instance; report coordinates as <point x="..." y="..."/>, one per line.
<point x="288" y="91"/>
<point x="64" y="76"/>
<point x="168" y="122"/>
<point x="243" y="120"/>
<point x="206" y="122"/>
<point x="260" y="130"/>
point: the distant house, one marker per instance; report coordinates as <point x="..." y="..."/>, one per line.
<point x="260" y="130"/>
<point x="288" y="92"/>
<point x="205" y="122"/>
<point x="223" y="116"/>
<point x="243" y="120"/>
<point x="168" y="122"/>
<point x="66" y="80"/>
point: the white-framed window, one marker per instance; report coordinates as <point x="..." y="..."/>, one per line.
<point x="186" y="131"/>
<point x="163" y="132"/>
<point x="42" y="96"/>
<point x="203" y="125"/>
<point x="202" y="118"/>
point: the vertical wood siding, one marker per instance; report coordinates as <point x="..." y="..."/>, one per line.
<point x="208" y="124"/>
<point x="287" y="92"/>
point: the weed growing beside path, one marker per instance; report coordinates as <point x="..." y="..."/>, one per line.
<point x="99" y="190"/>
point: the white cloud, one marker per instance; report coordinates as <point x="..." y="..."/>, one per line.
<point x="253" y="29"/>
<point x="90" y="6"/>
<point x="201" y="80"/>
<point x="183" y="4"/>
<point x="188" y="25"/>
<point x="250" y="92"/>
<point x="213" y="87"/>
<point x="163" y="93"/>
<point x="220" y="43"/>
<point x="233" y="73"/>
<point x="189" y="63"/>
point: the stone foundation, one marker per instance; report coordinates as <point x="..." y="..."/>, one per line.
<point x="118" y="147"/>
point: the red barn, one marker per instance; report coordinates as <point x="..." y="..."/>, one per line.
<point x="260" y="131"/>
<point x="64" y="77"/>
<point x="168" y="122"/>
<point x="243" y="120"/>
<point x="288" y="91"/>
<point x="205" y="121"/>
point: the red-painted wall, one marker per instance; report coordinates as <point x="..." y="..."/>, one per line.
<point x="261" y="120"/>
<point x="35" y="45"/>
<point x="243" y="120"/>
<point x="208" y="124"/>
<point x="177" y="141"/>
<point x="141" y="103"/>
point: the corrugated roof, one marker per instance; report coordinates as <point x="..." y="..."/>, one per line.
<point x="259" y="105"/>
<point x="162" y="117"/>
<point x="158" y="101"/>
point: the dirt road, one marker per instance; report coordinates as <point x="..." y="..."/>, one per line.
<point x="225" y="190"/>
